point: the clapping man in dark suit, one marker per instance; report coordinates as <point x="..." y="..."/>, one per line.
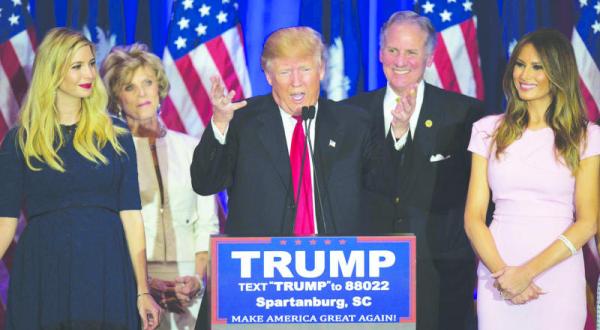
<point x="431" y="129"/>
<point x="257" y="149"/>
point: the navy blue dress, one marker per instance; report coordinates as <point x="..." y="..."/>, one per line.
<point x="71" y="268"/>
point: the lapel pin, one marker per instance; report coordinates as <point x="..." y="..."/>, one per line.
<point x="428" y="123"/>
<point x="332" y="143"/>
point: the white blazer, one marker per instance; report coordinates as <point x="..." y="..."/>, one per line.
<point x="180" y="227"/>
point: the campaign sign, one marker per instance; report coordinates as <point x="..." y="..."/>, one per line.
<point x="313" y="280"/>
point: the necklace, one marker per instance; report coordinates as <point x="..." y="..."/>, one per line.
<point x="69" y="130"/>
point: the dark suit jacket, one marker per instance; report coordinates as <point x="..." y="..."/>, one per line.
<point x="434" y="192"/>
<point x="427" y="198"/>
<point x="254" y="166"/>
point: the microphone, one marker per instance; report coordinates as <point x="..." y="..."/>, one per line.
<point x="308" y="114"/>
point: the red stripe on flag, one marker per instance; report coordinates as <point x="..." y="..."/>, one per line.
<point x="2" y="317"/>
<point x="14" y="71"/>
<point x="592" y="108"/>
<point x="3" y="127"/>
<point x="170" y="116"/>
<point x="470" y="34"/>
<point x="218" y="51"/>
<point x="8" y="255"/>
<point x="195" y="88"/>
<point x="221" y="214"/>
<point x="443" y="64"/>
<point x="32" y="37"/>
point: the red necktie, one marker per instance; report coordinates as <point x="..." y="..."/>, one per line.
<point x="304" y="223"/>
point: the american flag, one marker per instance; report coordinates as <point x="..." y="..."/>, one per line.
<point x="586" y="42"/>
<point x="456" y="64"/>
<point x="17" y="51"/>
<point x="204" y="40"/>
<point x="17" y="44"/>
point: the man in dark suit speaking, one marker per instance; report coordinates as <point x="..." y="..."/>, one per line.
<point x="431" y="129"/>
<point x="260" y="149"/>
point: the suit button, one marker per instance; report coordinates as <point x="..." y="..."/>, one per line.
<point x="397" y="200"/>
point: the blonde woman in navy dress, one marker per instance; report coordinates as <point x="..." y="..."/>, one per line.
<point x="80" y="262"/>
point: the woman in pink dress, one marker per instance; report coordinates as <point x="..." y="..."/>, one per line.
<point x="541" y="161"/>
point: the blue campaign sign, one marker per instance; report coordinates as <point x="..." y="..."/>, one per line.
<point x="313" y="280"/>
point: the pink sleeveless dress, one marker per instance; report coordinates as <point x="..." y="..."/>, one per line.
<point x="534" y="197"/>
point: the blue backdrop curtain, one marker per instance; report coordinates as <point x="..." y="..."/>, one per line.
<point x="355" y="22"/>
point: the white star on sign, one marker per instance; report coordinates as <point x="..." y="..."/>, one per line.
<point x="188" y="4"/>
<point x="16" y="2"/>
<point x="13" y="19"/>
<point x="468" y="5"/>
<point x="445" y="15"/>
<point x="451" y="1"/>
<point x="428" y="7"/>
<point x="201" y="29"/>
<point x="183" y="23"/>
<point x="180" y="42"/>
<point x="596" y="27"/>
<point x="222" y="17"/>
<point x="204" y="10"/>
<point x="583" y="3"/>
<point x="597" y="7"/>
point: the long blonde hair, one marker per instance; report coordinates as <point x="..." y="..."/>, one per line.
<point x="566" y="114"/>
<point x="39" y="133"/>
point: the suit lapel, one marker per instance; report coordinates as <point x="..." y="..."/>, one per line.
<point x="272" y="136"/>
<point x="328" y="136"/>
<point x="430" y="119"/>
<point x="376" y="109"/>
<point x="428" y="124"/>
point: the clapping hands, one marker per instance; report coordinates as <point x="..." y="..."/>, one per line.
<point x="404" y="109"/>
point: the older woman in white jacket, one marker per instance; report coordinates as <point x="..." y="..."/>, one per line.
<point x="177" y="221"/>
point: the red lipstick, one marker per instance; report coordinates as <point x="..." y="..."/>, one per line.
<point x="86" y="86"/>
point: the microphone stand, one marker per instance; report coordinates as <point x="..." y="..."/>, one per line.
<point x="308" y="113"/>
<point x="299" y="189"/>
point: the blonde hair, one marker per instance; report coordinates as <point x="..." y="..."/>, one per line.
<point x="297" y="41"/>
<point x="566" y="114"/>
<point x="119" y="66"/>
<point x="39" y="134"/>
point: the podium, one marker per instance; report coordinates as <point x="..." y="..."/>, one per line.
<point x="350" y="282"/>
